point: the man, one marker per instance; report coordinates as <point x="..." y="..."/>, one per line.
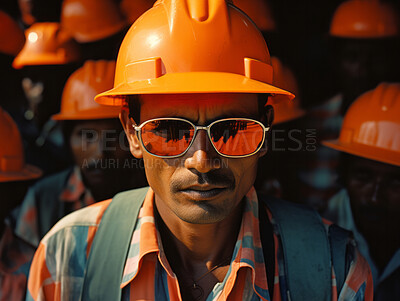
<point x="191" y="78"/>
<point x="276" y="171"/>
<point x="101" y="167"/>
<point x="15" y="178"/>
<point x="46" y="61"/>
<point x="364" y="37"/>
<point x="369" y="205"/>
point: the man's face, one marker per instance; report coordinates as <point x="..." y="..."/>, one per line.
<point x="200" y="186"/>
<point x="362" y="64"/>
<point x="96" y="147"/>
<point x="374" y="190"/>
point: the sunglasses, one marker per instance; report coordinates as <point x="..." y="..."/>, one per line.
<point x="230" y="137"/>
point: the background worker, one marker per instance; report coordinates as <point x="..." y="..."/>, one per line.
<point x="369" y="203"/>
<point x="12" y="39"/>
<point x="199" y="122"/>
<point x="274" y="177"/>
<point x="48" y="57"/>
<point x="101" y="169"/>
<point x="364" y="46"/>
<point x="98" y="27"/>
<point x="277" y="171"/>
<point x="15" y="178"/>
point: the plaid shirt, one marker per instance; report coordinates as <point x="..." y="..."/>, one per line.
<point x="22" y="235"/>
<point x="57" y="271"/>
<point x="339" y="211"/>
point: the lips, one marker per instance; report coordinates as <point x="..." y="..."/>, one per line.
<point x="203" y="192"/>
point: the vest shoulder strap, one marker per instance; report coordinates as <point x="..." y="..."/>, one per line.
<point x="107" y="256"/>
<point x="308" y="250"/>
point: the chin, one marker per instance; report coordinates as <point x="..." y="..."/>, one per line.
<point x="202" y="213"/>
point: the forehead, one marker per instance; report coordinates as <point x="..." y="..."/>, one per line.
<point x="95" y="124"/>
<point x="375" y="167"/>
<point x="199" y="106"/>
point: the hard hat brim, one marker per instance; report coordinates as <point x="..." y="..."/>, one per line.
<point x="193" y="82"/>
<point x="92" y="114"/>
<point x="365" y="151"/>
<point x="28" y="173"/>
<point x="24" y="59"/>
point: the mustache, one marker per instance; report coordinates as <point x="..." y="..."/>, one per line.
<point x="214" y="177"/>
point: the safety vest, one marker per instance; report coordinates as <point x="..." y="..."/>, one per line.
<point x="308" y="250"/>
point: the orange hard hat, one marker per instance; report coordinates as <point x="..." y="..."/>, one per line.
<point x="12" y="162"/>
<point x="77" y="101"/>
<point x="91" y="20"/>
<point x="133" y="9"/>
<point x="371" y="126"/>
<point x="192" y="46"/>
<point x="285" y="79"/>
<point x="12" y="37"/>
<point x="46" y="45"/>
<point x="259" y="11"/>
<point x="365" y="19"/>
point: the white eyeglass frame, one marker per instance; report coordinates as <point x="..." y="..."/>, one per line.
<point x="138" y="129"/>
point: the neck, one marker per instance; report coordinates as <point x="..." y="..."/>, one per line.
<point x="190" y="246"/>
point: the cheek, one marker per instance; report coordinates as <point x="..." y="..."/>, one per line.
<point x="393" y="196"/>
<point x="245" y="171"/>
<point x="358" y="190"/>
<point x="77" y="149"/>
<point x="82" y="150"/>
<point x="158" y="173"/>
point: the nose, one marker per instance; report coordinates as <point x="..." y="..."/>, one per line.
<point x="97" y="148"/>
<point x="202" y="156"/>
<point x="376" y="194"/>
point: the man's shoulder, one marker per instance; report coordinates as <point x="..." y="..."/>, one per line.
<point x="53" y="181"/>
<point x="92" y="215"/>
<point x="277" y="205"/>
<point x="83" y="218"/>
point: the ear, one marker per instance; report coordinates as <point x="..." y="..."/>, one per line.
<point x="127" y="124"/>
<point x="269" y="115"/>
<point x="267" y="118"/>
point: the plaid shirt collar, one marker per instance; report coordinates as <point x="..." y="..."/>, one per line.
<point x="75" y="190"/>
<point x="247" y="253"/>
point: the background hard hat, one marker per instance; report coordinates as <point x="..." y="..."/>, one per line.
<point x="192" y="46"/>
<point x="284" y="78"/>
<point x="82" y="86"/>
<point x="12" y="37"/>
<point x="133" y="9"/>
<point x="365" y="19"/>
<point x="371" y="126"/>
<point x="46" y="45"/>
<point x="12" y="162"/>
<point x="259" y="11"/>
<point x="91" y="20"/>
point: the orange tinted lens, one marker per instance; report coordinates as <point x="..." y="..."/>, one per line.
<point x="237" y="137"/>
<point x="167" y="137"/>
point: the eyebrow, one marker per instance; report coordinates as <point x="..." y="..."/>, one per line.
<point x="238" y="113"/>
